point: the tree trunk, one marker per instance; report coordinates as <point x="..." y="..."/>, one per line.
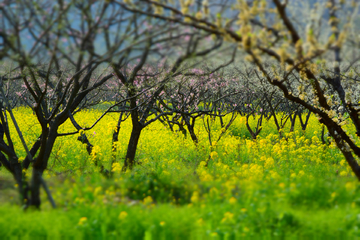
<point x="191" y="130"/>
<point x="193" y="135"/>
<point x="40" y="163"/>
<point x="345" y="149"/>
<point x="293" y="120"/>
<point x="302" y="123"/>
<point x="35" y="187"/>
<point x="183" y="131"/>
<point x="132" y="146"/>
<point x="17" y="173"/>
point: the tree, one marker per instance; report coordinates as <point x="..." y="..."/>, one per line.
<point x="288" y="33"/>
<point x="58" y="50"/>
<point x="72" y="50"/>
<point x="195" y="94"/>
<point x="137" y="79"/>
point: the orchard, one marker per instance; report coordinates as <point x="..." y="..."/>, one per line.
<point x="201" y="119"/>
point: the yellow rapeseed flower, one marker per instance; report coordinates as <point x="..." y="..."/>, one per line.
<point x="148" y="200"/>
<point x="213" y="154"/>
<point x="343" y="173"/>
<point x="232" y="200"/>
<point x="301" y="173"/>
<point x="82" y="221"/>
<point x="228" y="217"/>
<point x="123" y="215"/>
<point x="97" y="190"/>
<point x="195" y="197"/>
<point x="116" y="167"/>
<point x="350" y="186"/>
<point x="333" y="196"/>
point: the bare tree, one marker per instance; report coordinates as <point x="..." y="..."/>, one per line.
<point x="135" y="80"/>
<point x="59" y="50"/>
<point x="303" y="42"/>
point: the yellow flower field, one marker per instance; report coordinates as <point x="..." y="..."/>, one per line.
<point x="235" y="187"/>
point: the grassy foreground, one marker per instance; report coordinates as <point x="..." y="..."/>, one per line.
<point x="294" y="187"/>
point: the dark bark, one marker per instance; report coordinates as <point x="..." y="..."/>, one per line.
<point x="132" y="146"/>
<point x="84" y="140"/>
<point x="35" y="187"/>
<point x="33" y="150"/>
<point x="302" y="123"/>
<point x="49" y="135"/>
<point x="292" y="120"/>
<point x="17" y="173"/>
<point x="257" y="129"/>
<point x="174" y="121"/>
<point x="344" y="148"/>
<point x="5" y="162"/>
<point x="323" y="135"/>
<point x="190" y="127"/>
<point x="183" y="130"/>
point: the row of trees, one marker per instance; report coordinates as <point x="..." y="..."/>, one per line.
<point x="65" y="56"/>
<point x="62" y="57"/>
<point x="300" y="40"/>
<point x="84" y="45"/>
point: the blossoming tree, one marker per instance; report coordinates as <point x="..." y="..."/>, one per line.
<point x="315" y="44"/>
<point x="58" y="51"/>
